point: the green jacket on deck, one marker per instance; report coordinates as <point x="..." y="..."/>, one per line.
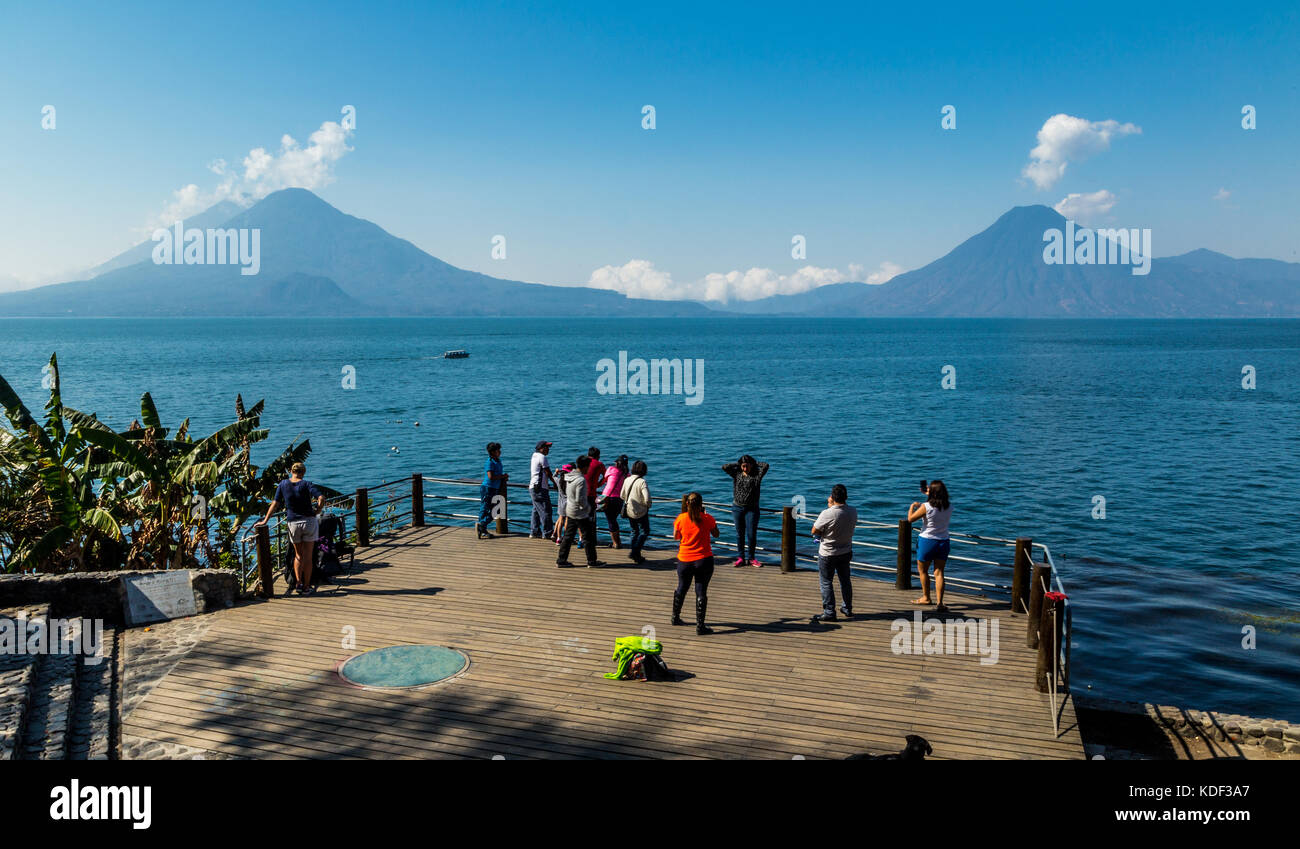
<point x="625" y="648"/>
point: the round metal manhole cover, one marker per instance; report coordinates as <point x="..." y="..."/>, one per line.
<point x="403" y="667"/>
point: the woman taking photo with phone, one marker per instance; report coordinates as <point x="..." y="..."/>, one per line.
<point x="693" y="528"/>
<point x="933" y="545"/>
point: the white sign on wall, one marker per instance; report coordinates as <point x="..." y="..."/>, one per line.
<point x="153" y="598"/>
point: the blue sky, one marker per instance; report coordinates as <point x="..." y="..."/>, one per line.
<point x="771" y="120"/>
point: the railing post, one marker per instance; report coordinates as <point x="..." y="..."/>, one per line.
<point x="417" y="500"/>
<point x="1037" y="586"/>
<point x="1020" y="575"/>
<point x="787" y="539"/>
<point x="904" y="579"/>
<point x="265" y="569"/>
<point x="1049" y="643"/>
<point x="363" y="516"/>
<point x="503" y="520"/>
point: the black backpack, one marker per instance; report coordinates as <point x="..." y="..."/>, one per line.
<point x="648" y="667"/>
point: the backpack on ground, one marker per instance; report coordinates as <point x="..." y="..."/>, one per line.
<point x="638" y="659"/>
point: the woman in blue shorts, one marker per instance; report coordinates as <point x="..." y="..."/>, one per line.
<point x="932" y="547"/>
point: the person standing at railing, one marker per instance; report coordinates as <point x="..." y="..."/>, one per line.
<point x="612" y="492"/>
<point x="595" y="475"/>
<point x="693" y="528"/>
<point x="540" y="481"/>
<point x="835" y="526"/>
<point x="296" y="494"/>
<point x="747" y="478"/>
<point x="636" y="505"/>
<point x="933" y="545"/>
<point x="561" y="488"/>
<point x="494" y="484"/>
<point x="581" y="516"/>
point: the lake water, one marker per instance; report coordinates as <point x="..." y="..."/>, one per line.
<point x="1199" y="475"/>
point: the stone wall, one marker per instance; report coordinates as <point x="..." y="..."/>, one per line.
<point x="102" y="595"/>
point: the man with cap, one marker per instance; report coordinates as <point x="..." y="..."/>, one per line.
<point x="540" y="480"/>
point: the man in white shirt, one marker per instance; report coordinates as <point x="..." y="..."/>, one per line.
<point x="835" y="526"/>
<point x="540" y="480"/>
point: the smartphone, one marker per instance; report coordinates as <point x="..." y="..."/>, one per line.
<point x="925" y="487"/>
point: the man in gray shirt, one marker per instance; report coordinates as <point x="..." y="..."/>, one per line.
<point x="834" y="530"/>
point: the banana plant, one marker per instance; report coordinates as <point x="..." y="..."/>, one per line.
<point x="62" y="515"/>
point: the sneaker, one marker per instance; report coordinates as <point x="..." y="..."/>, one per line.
<point x="756" y="564"/>
<point x="824" y="617"/>
<point x="534" y="536"/>
<point x="848" y="614"/>
<point x="701" y="630"/>
<point x="740" y="561"/>
<point x="564" y="564"/>
<point x="596" y="565"/>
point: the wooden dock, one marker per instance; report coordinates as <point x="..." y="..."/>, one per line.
<point x="261" y="681"/>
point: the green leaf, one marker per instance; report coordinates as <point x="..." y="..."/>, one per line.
<point x="148" y="412"/>
<point x="102" y="521"/>
<point x="122" y="449"/>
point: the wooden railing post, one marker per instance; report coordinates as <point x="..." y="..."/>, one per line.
<point x="1037" y="586"/>
<point x="1049" y="643"/>
<point x="363" y="516"/>
<point x="417" y="500"/>
<point x="1020" y="575"/>
<point x="903" y="581"/>
<point x="265" y="569"/>
<point x="503" y="520"/>
<point x="787" y="539"/>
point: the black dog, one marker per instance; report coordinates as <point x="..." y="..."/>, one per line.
<point x="915" y="750"/>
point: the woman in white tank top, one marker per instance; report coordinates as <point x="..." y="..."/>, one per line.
<point x="933" y="546"/>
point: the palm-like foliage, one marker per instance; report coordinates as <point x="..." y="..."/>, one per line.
<point x="74" y="493"/>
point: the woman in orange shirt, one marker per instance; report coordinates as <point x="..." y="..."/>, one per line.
<point x="694" y="558"/>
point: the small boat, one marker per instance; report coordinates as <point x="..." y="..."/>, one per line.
<point x="455" y="355"/>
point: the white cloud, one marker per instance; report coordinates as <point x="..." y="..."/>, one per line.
<point x="886" y="272"/>
<point x="1064" y="139"/>
<point x="292" y="166"/>
<point x="639" y="278"/>
<point x="1086" y="208"/>
<point x="1222" y="194"/>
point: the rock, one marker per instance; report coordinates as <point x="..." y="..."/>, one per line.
<point x="1274" y="731"/>
<point x="1232" y="727"/>
<point x="1273" y="744"/>
<point x="1254" y="730"/>
<point x="1292" y="733"/>
<point x="1293" y="748"/>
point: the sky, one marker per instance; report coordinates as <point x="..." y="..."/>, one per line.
<point x="771" y="122"/>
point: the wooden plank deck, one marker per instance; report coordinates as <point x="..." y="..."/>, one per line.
<point x="767" y="684"/>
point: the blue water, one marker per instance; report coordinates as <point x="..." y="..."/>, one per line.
<point x="1199" y="475"/>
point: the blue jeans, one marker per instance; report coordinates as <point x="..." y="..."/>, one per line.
<point x="541" y="521"/>
<point x="486" y="495"/>
<point x="827" y="568"/>
<point x="640" y="533"/>
<point x="746" y="524"/>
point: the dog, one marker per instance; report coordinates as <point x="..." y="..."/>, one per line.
<point x="916" y="749"/>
